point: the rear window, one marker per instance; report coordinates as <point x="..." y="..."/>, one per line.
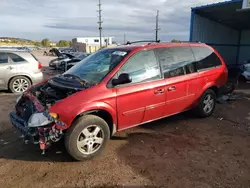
<point x="176" y="61"/>
<point x="206" y="58"/>
<point x="15" y="58"/>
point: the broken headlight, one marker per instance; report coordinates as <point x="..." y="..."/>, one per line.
<point x="38" y="120"/>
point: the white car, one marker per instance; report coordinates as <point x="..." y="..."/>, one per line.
<point x="246" y="73"/>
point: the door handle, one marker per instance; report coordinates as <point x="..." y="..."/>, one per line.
<point x="172" y="88"/>
<point x="159" y="91"/>
<point x="10" y="67"/>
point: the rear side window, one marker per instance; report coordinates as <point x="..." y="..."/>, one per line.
<point x="206" y="58"/>
<point x="176" y="61"/>
<point x="142" y="67"/>
<point x="15" y="58"/>
<point x="3" y="58"/>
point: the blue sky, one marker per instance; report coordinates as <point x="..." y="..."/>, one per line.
<point x="66" y="19"/>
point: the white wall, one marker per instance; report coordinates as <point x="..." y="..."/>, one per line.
<point x="95" y="40"/>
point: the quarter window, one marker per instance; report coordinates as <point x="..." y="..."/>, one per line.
<point x="176" y="61"/>
<point x="142" y="67"/>
<point x="15" y="58"/>
<point x="3" y="58"/>
<point x="205" y="58"/>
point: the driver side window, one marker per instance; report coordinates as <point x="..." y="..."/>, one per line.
<point x="142" y="67"/>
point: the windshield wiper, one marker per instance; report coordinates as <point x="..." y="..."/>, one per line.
<point x="81" y="81"/>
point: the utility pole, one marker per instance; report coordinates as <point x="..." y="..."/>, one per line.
<point x="157" y="26"/>
<point x="100" y="22"/>
<point x="124" y="38"/>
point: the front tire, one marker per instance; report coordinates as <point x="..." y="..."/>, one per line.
<point x="87" y="137"/>
<point x="19" y="84"/>
<point x="206" y="104"/>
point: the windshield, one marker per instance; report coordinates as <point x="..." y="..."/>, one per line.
<point x="95" y="67"/>
<point x="82" y="56"/>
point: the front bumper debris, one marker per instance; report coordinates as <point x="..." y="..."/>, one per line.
<point x="19" y="123"/>
<point x="42" y="135"/>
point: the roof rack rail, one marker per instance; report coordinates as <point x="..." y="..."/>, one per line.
<point x="140" y="41"/>
<point x="190" y="42"/>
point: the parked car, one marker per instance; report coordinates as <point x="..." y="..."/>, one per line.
<point x="60" y="61"/>
<point x="74" y="61"/>
<point x="119" y="88"/>
<point x="19" y="70"/>
<point x="246" y="71"/>
<point x="240" y="70"/>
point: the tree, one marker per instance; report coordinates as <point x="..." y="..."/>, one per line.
<point x="177" y="41"/>
<point x="63" y="43"/>
<point x="45" y="42"/>
<point x="36" y="43"/>
<point x="70" y="43"/>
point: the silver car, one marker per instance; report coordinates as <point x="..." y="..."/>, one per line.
<point x="19" y="70"/>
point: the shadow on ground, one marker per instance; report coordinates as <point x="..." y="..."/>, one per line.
<point x="13" y="147"/>
<point x="182" y="150"/>
<point x="243" y="85"/>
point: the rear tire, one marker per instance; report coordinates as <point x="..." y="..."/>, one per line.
<point x="207" y="104"/>
<point x="19" y="84"/>
<point x="87" y="137"/>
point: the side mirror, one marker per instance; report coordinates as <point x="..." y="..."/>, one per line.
<point x="123" y="78"/>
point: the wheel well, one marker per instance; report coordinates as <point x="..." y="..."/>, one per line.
<point x="215" y="89"/>
<point x="17" y="76"/>
<point x="102" y="114"/>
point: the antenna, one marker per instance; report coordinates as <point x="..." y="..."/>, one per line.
<point x="100" y="21"/>
<point x="157" y="26"/>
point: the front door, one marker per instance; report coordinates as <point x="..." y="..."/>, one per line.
<point x="7" y="69"/>
<point x="142" y="100"/>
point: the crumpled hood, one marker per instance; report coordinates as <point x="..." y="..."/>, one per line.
<point x="70" y="107"/>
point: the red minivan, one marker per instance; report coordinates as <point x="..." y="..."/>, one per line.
<point x="116" y="89"/>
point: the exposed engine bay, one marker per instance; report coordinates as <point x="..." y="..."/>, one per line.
<point x="49" y="94"/>
<point x="32" y="117"/>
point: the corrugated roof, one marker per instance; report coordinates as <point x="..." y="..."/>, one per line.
<point x="226" y="13"/>
<point x="216" y="4"/>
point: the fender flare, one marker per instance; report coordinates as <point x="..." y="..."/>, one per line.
<point x="93" y="107"/>
<point x="208" y="85"/>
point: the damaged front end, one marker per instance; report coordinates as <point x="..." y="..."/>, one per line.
<point x="35" y="122"/>
<point x="32" y="116"/>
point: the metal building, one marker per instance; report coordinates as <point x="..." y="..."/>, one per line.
<point x="225" y="26"/>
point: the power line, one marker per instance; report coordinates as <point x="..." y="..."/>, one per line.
<point x="100" y="21"/>
<point x="157" y="26"/>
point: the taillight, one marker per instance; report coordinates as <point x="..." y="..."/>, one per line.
<point x="40" y="66"/>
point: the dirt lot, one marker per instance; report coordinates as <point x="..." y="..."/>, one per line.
<point x="181" y="151"/>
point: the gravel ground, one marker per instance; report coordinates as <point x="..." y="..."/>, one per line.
<point x="180" y="151"/>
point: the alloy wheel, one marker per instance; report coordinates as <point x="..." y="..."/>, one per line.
<point x="90" y="139"/>
<point x="208" y="104"/>
<point x="20" y="85"/>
